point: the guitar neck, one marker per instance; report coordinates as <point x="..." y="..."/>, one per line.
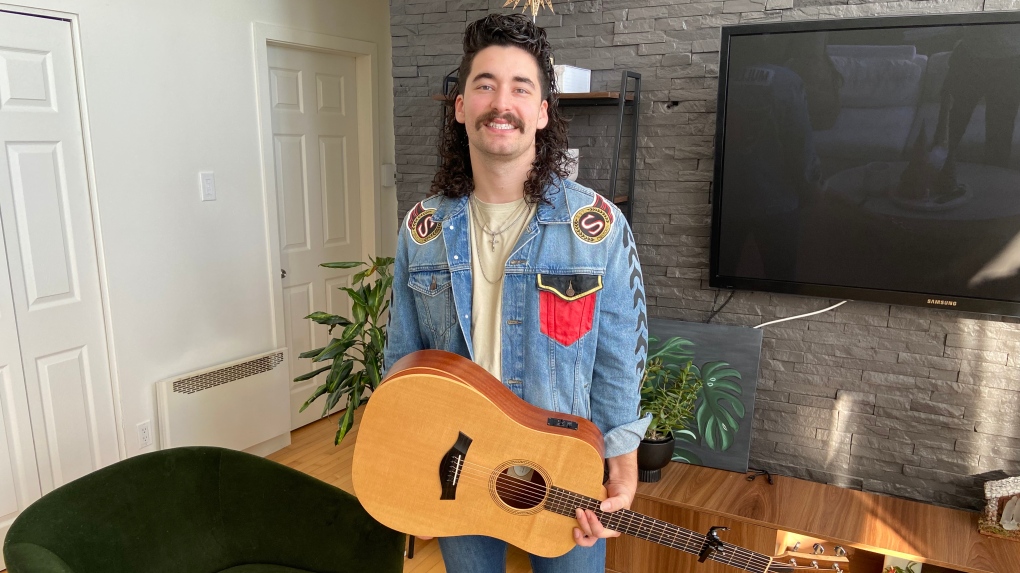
<point x="565" y="502"/>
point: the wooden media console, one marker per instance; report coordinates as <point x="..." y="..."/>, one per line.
<point x="758" y="514"/>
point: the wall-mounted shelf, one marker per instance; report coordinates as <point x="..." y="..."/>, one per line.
<point x="627" y="97"/>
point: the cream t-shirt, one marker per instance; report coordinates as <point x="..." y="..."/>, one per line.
<point x="488" y="263"/>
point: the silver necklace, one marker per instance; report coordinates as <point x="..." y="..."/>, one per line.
<point x="494" y="235"/>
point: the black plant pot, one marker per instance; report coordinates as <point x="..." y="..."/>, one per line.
<point x="652" y="457"/>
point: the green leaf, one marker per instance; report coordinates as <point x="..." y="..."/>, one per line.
<point x="351" y="331"/>
<point x="377" y="337"/>
<point x="311" y="353"/>
<point x="686" y="456"/>
<point x="345" y="265"/>
<point x="318" y="392"/>
<point x="345" y="425"/>
<point x="359" y="312"/>
<point x="720" y="410"/>
<point x="338" y="347"/>
<point x="310" y="375"/>
<point x="356" y="296"/>
<point x="341" y="371"/>
<point x="373" y="374"/>
<point x="685" y="435"/>
<point x="328" y="319"/>
<point x="331" y="402"/>
<point x="674" y="353"/>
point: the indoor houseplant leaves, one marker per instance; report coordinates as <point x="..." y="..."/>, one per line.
<point x="533" y="5"/>
<point x="353" y="360"/>
<point x="669" y="397"/>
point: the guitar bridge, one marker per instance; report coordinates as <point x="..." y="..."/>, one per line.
<point x="452" y="466"/>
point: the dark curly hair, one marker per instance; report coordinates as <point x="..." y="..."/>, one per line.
<point x="454" y="178"/>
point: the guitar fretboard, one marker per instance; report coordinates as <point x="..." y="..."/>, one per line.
<point x="565" y="502"/>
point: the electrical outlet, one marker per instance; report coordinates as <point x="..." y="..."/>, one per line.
<point x="145" y="434"/>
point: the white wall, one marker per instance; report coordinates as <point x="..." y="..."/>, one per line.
<point x="170" y="88"/>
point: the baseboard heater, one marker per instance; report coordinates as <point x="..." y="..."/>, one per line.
<point x="236" y="405"/>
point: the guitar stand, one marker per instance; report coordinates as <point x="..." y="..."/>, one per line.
<point x="712" y="543"/>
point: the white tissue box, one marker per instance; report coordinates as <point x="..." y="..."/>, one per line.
<point x="570" y="80"/>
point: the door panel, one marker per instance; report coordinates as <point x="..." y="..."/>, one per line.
<point x="64" y="385"/>
<point x="26" y="79"/>
<point x="46" y="215"/>
<point x="333" y="159"/>
<point x="289" y="155"/>
<point x="40" y="198"/>
<point x="316" y="157"/>
<point x="19" y="475"/>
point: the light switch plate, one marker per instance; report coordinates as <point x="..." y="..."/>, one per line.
<point x="388" y="175"/>
<point x="207" y="183"/>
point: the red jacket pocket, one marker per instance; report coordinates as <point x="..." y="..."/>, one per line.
<point x="567" y="305"/>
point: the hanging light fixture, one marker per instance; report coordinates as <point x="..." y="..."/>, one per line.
<point x="533" y="5"/>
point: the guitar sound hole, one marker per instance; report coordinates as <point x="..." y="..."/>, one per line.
<point x="520" y="487"/>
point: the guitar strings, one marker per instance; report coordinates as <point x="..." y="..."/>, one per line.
<point x="533" y="494"/>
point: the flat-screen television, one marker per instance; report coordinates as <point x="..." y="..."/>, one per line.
<point x="871" y="159"/>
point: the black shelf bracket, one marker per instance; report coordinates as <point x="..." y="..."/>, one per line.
<point x="636" y="103"/>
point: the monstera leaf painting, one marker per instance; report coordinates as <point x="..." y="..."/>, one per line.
<point x="726" y="359"/>
<point x="720" y="410"/>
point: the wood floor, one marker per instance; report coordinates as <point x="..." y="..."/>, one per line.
<point x="312" y="452"/>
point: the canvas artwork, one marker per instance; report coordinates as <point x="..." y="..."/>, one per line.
<point x="727" y="359"/>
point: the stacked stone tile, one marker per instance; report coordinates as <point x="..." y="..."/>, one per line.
<point x="918" y="403"/>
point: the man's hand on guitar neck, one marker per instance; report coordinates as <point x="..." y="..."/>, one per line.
<point x="621" y="487"/>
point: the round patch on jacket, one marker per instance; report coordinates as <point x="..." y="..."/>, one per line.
<point x="423" y="228"/>
<point x="592" y="224"/>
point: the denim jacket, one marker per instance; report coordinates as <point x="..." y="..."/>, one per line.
<point x="574" y="332"/>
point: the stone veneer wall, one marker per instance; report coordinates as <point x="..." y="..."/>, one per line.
<point x="918" y="403"/>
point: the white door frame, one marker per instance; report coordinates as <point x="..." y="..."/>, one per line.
<point x="90" y="172"/>
<point x="365" y="54"/>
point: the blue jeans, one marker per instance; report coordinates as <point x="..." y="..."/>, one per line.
<point x="479" y="554"/>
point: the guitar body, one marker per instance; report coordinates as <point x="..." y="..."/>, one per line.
<point x="409" y="474"/>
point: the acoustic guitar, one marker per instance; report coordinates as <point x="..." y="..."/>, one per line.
<point x="445" y="449"/>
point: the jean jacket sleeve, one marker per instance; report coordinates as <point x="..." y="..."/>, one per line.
<point x="622" y="346"/>
<point x="403" y="333"/>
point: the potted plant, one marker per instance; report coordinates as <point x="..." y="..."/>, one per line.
<point x="669" y="396"/>
<point x="353" y="360"/>
<point x="899" y="569"/>
<point x="533" y="5"/>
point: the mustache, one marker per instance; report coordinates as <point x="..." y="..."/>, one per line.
<point x="508" y="117"/>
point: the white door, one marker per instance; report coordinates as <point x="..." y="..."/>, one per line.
<point x="19" y="477"/>
<point x="51" y="264"/>
<point x="316" y="159"/>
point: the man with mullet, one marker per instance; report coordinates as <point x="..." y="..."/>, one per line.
<point x="531" y="276"/>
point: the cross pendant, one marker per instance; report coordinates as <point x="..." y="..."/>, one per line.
<point x="493" y="243"/>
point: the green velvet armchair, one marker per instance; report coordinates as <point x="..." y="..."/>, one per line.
<point x="199" y="510"/>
